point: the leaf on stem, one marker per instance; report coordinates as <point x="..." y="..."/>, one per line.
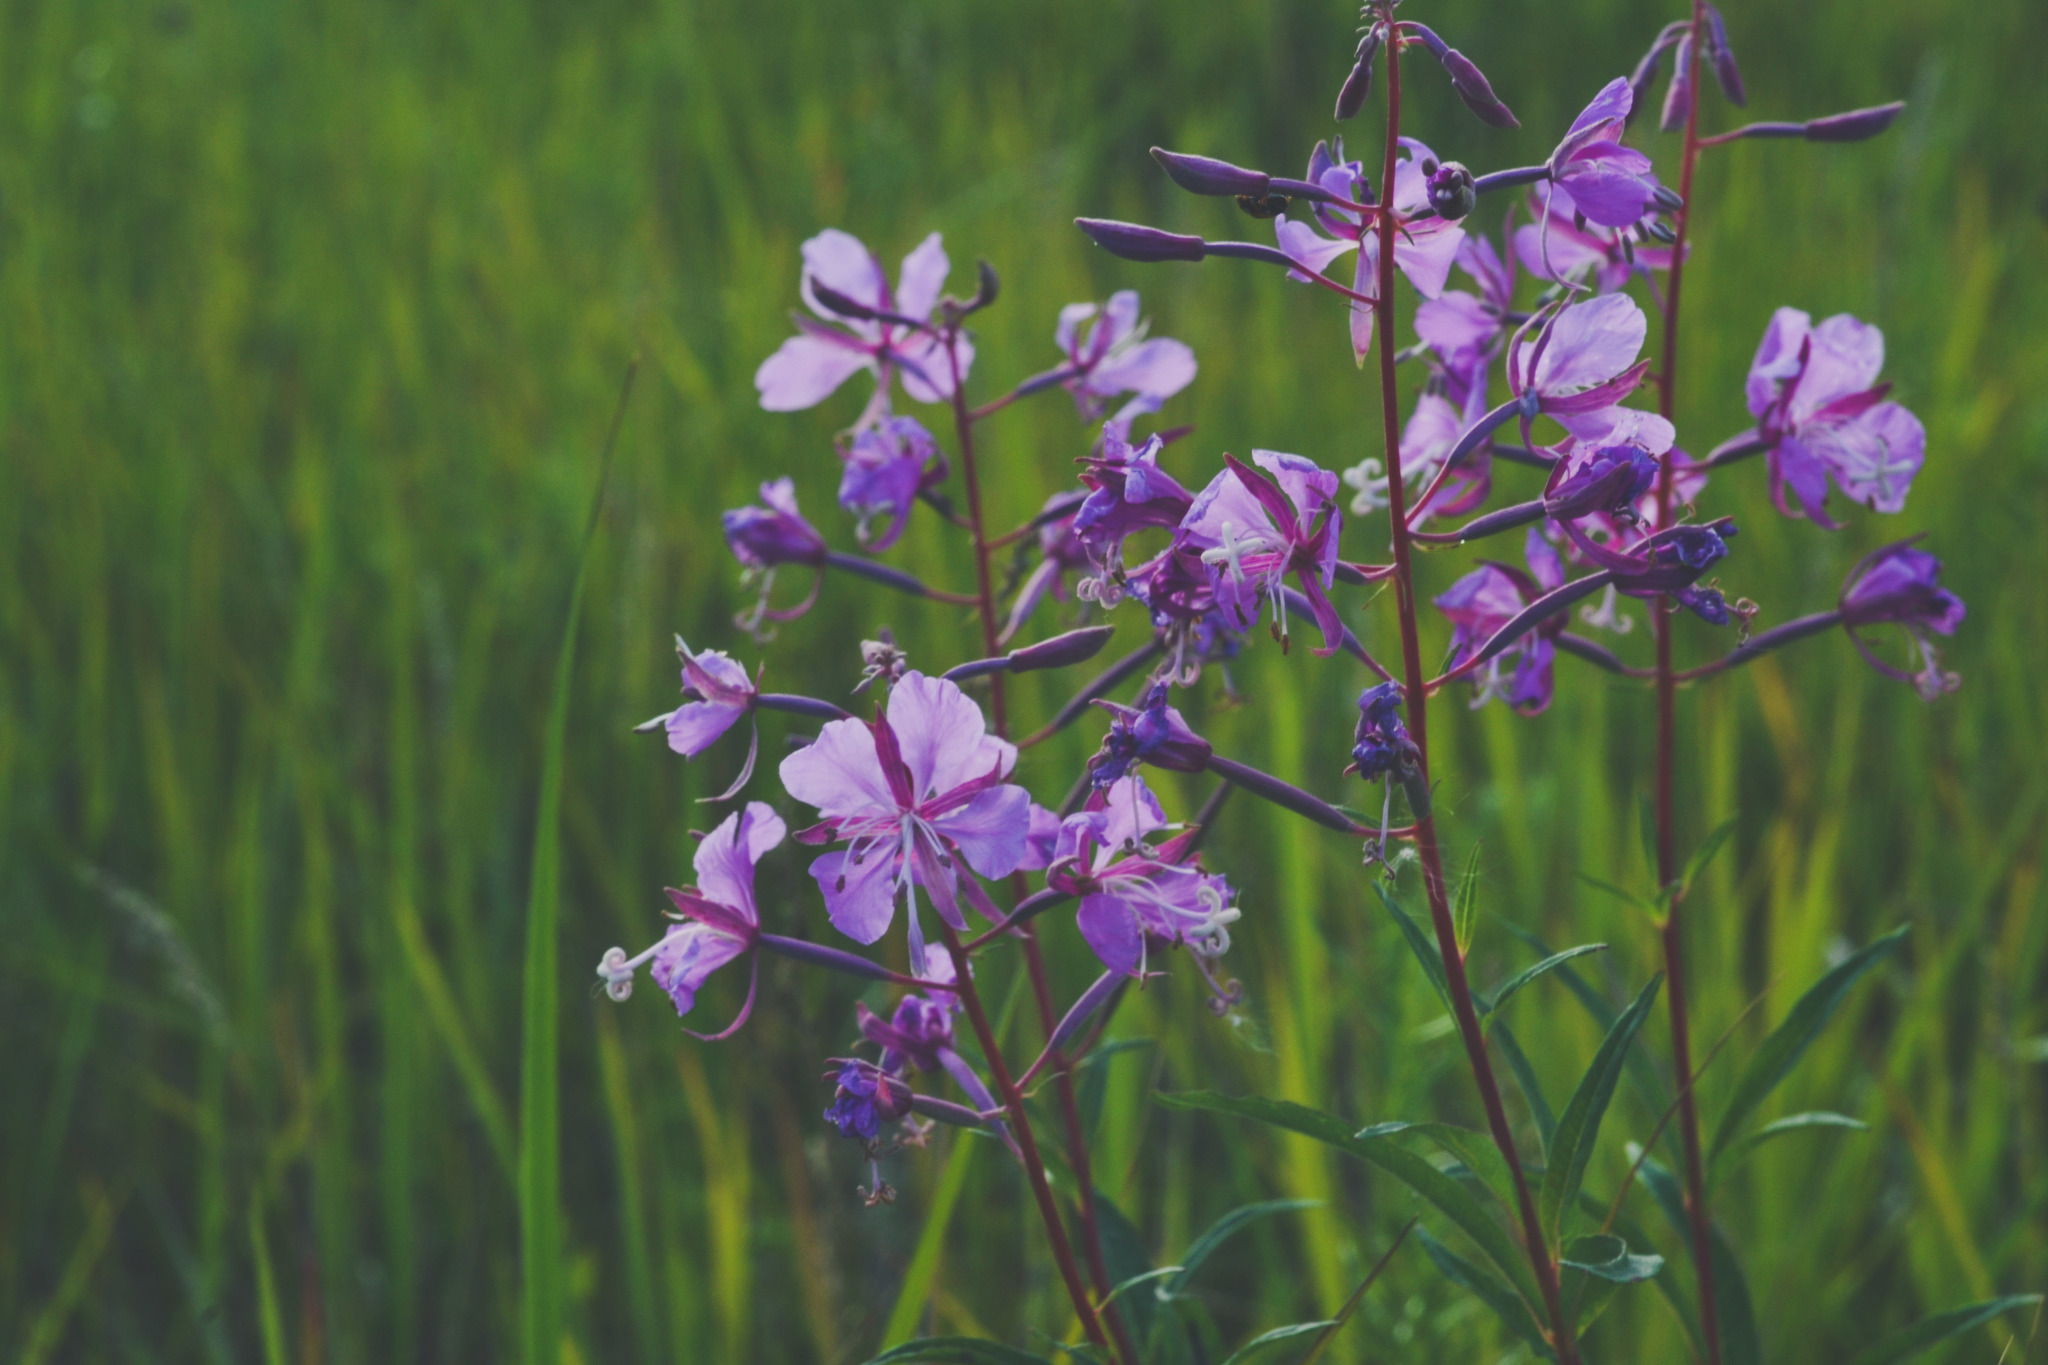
<point x="1936" y="1328"/>
<point x="1738" y="1151"/>
<point x="957" y="1351"/>
<point x="1265" y="1341"/>
<point x="1419" y="943"/>
<point x="1528" y="974"/>
<point x="1579" y="1128"/>
<point x="1495" y="1295"/>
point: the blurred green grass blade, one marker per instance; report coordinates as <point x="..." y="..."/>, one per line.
<point x="46" y="1333"/>
<point x="462" y="1050"/>
<point x="1223" y="1229"/>
<point x="1780" y="1052"/>
<point x="269" y="1315"/>
<point x="1936" y="1328"/>
<point x="956" y="1351"/>
<point x="1739" y="1150"/>
<point x="1510" y="1049"/>
<point x="1279" y="1336"/>
<point x="931" y="1243"/>
<point x="1734" y="1310"/>
<point x="540" y="1176"/>
<point x="1488" y="1005"/>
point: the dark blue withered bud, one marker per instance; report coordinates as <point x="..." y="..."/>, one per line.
<point x="1359" y="83"/>
<point x="1451" y="191"/>
<point x="1207" y="175"/>
<point x="1721" y="57"/>
<point x="1855" y="125"/>
<point x="1135" y="242"/>
<point x="1678" y="95"/>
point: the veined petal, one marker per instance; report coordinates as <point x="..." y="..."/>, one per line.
<point x="725" y="860"/>
<point x="1590" y="343"/>
<point x="806" y="370"/>
<point x="689" y="954"/>
<point x="1308" y="248"/>
<point x="927" y="371"/>
<point x="1778" y="358"/>
<point x="839" y="772"/>
<point x="860" y="897"/>
<point x="842" y="264"/>
<point x="922" y="277"/>
<point x="694" y="726"/>
<point x="1425" y="252"/>
<point x="991" y="829"/>
<point x="1159" y="368"/>
<point x="945" y="740"/>
<point x="1111" y="928"/>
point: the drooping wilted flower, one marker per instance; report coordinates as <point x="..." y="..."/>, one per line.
<point x="1900" y="584"/>
<point x="886" y="467"/>
<point x="1150" y="732"/>
<point x="1381" y="744"/>
<point x="1822" y="414"/>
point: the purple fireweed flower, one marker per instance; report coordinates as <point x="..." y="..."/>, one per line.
<point x="1128" y="492"/>
<point x="1427" y="440"/>
<point x="1109" y="354"/>
<point x="1252" y="531"/>
<point x="1463" y="331"/>
<point x="763" y="538"/>
<point x="1561" y="245"/>
<point x="914" y="1035"/>
<point x="1575" y="366"/>
<point x="1150" y="732"/>
<point x="810" y="366"/>
<point x="1424" y="243"/>
<point x="1610" y="184"/>
<point x="1061" y="551"/>
<point x="1042" y="835"/>
<point x="914" y="794"/>
<point x="1136" y="897"/>
<point x="719" y="920"/>
<point x="886" y="467"/>
<point x="1485" y="600"/>
<point x="1670" y="564"/>
<point x="716" y="692"/>
<point x="1822" y="413"/>
<point x="1381" y="744"/>
<point x="1900" y="584"/>
<point x="867" y="1098"/>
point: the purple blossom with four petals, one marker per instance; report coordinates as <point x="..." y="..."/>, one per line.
<point x="1252" y="531"/>
<point x="1482" y="602"/>
<point x="886" y="467"/>
<point x="1109" y="355"/>
<point x="1576" y="365"/>
<point x="1900" y="584"/>
<point x="1609" y="184"/>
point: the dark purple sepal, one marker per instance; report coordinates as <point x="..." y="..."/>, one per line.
<point x="1135" y="242"/>
<point x="1855" y="125"/>
<point x="1283" y="794"/>
<point x="1094" y="998"/>
<point x="1207" y="175"/>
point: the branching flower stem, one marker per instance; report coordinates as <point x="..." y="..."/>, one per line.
<point x="1416" y="689"/>
<point x="1667" y="731"/>
<point x="964" y="418"/>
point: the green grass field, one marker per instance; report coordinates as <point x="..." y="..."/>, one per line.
<point x="312" y="317"/>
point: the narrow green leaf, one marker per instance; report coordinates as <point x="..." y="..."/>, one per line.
<point x="540" y="1171"/>
<point x="1506" y="1304"/>
<point x="1145" y="1277"/>
<point x="1734" y="1311"/>
<point x="1528" y="974"/>
<point x="956" y="1351"/>
<point x="1473" y="1151"/>
<point x="1125" y="1257"/>
<point x="1788" y="1042"/>
<point x="1646" y="826"/>
<point x="1738" y="1151"/>
<point x="1936" y="1328"/>
<point x="1445" y="1191"/>
<point x="1265" y="1341"/>
<point x="1467" y="898"/>
<point x="1223" y="1229"/>
<point x="1704" y="854"/>
<point x="1503" y="1039"/>
<point x="1608" y="1257"/>
<point x="1579" y="1128"/>
<point x="1422" y="945"/>
<point x="1628" y="898"/>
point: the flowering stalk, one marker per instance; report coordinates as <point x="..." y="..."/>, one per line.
<point x="1034" y="958"/>
<point x="1417" y="694"/>
<point x="1661" y="610"/>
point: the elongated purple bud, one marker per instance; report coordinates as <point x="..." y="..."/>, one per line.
<point x="1251" y="251"/>
<point x="1061" y="650"/>
<point x="877" y="571"/>
<point x="1542" y="609"/>
<point x="818" y="955"/>
<point x="1763" y="642"/>
<point x="1283" y="794"/>
<point x="1473" y="88"/>
<point x="1092" y="999"/>
<point x="1500" y="180"/>
<point x="1855" y="125"/>
<point x="1499" y="520"/>
<point x="1600" y="656"/>
<point x="1135" y="242"/>
<point x="1722" y="58"/>
<point x="1359" y="83"/>
<point x="945" y="1111"/>
<point x="979" y="668"/>
<point x="1645" y="74"/>
<point x="1678" y="96"/>
<point x="1207" y="175"/>
<point x="800" y="706"/>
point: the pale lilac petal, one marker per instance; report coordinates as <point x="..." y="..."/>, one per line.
<point x="1456" y="322"/>
<point x="1069" y="329"/>
<point x="839" y="772"/>
<point x="1159" y="368"/>
<point x="1307" y="485"/>
<point x="1615" y="426"/>
<point x="723" y="671"/>
<point x="1614" y="187"/>
<point x="1225" y="499"/>
<point x="1602" y="119"/>
<point x="928" y="375"/>
<point x="1545" y="566"/>
<point x="838" y="261"/>
<point x="1591" y="343"/>
<point x="1366" y="281"/>
<point x="1846" y="358"/>
<point x="1119" y="318"/>
<point x="860" y="898"/>
<point x="1553" y="249"/>
<point x="1875" y="456"/>
<point x="806" y="370"/>
<point x="945" y="741"/>
<point x="1804" y="470"/>
<point x="1111" y="929"/>
<point x="990" y="830"/>
<point x="688" y="955"/>
<point x="1130" y="812"/>
<point x="725" y="860"/>
<point x="1425" y="252"/>
<point x="922" y="277"/>
<point x="1777" y="358"/>
<point x="695" y="726"/>
<point x="1411" y="183"/>
<point x="1308" y="248"/>
<point x="1042" y="832"/>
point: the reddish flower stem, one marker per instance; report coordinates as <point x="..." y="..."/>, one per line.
<point x="1034" y="960"/>
<point x="1416" y="689"/>
<point x="1667" y="737"/>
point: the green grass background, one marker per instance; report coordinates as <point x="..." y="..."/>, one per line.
<point x="311" y="319"/>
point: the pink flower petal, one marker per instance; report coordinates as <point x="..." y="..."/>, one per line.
<point x="805" y="371"/>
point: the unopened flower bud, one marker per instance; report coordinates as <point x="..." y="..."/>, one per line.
<point x="1207" y="175"/>
<point x="1855" y="125"/>
<point x="1061" y="650"/>
<point x="1359" y="83"/>
<point x="1472" y="87"/>
<point x="1678" y="95"/>
<point x="1722" y="58"/>
<point x="1451" y="192"/>
<point x="1134" y="242"/>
